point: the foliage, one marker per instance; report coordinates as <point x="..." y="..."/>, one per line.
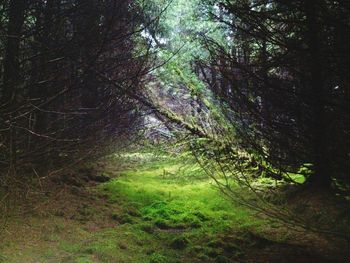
<point x="67" y="72"/>
<point x="265" y="65"/>
<point x="115" y="222"/>
<point x="229" y="63"/>
<point x="256" y="91"/>
<point x="242" y="86"/>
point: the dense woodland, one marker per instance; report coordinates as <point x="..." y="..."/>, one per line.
<point x="277" y="72"/>
<point x="256" y="91"/>
<point x="67" y="70"/>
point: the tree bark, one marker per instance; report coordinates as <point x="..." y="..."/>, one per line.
<point x="11" y="77"/>
<point x="12" y="47"/>
<point x="320" y="141"/>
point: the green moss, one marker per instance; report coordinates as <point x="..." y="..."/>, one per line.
<point x="181" y="213"/>
<point x="158" y="258"/>
<point x="122" y="218"/>
<point x="298" y="178"/>
<point x="163" y="211"/>
<point x="83" y="260"/>
<point x="180" y="242"/>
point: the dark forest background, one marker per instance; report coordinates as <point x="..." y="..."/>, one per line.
<point x="67" y="68"/>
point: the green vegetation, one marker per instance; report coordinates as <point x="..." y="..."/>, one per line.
<point x="158" y="211"/>
<point x="159" y="200"/>
<point x="247" y="101"/>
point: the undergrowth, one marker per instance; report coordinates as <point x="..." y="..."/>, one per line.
<point x="177" y="203"/>
<point x="156" y="209"/>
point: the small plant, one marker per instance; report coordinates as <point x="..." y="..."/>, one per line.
<point x="158" y="258"/>
<point x="306" y="169"/>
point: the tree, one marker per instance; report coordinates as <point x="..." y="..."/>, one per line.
<point x="68" y="73"/>
<point x="286" y="50"/>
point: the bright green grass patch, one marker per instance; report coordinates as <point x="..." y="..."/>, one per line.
<point x="160" y="200"/>
<point x="161" y="210"/>
<point x="298" y="178"/>
<point x="164" y="201"/>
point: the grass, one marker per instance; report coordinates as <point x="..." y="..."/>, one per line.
<point x="156" y="210"/>
<point x="178" y="207"/>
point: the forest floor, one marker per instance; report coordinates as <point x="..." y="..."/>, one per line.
<point x="152" y="210"/>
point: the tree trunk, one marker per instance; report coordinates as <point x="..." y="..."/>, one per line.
<point x="89" y="39"/>
<point x="11" y="61"/>
<point x="11" y="77"/>
<point x="320" y="141"/>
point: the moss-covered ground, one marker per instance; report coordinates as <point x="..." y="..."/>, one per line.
<point x="177" y="212"/>
<point x="153" y="210"/>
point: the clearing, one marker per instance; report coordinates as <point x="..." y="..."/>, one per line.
<point x="154" y="209"/>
